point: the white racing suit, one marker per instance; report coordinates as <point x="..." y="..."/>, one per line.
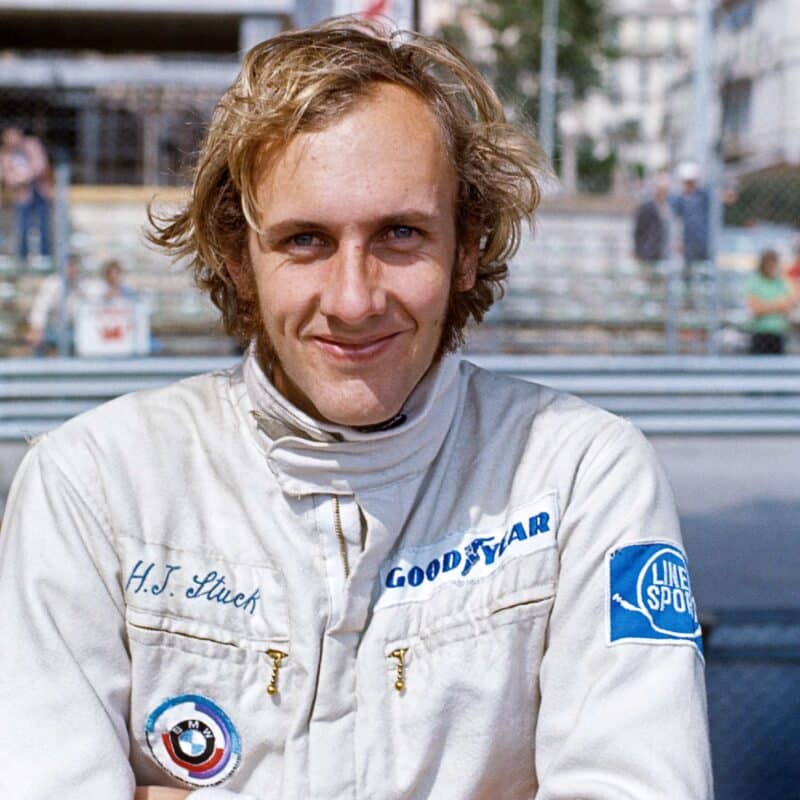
<point x="203" y="587"/>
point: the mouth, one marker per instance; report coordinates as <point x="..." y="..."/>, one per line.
<point x="355" y="350"/>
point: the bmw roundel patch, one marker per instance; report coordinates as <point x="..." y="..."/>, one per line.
<point x="194" y="740"/>
<point x="650" y="596"/>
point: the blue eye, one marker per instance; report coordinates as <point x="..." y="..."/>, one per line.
<point x="303" y="239"/>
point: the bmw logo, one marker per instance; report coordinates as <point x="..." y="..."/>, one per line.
<point x="194" y="740"/>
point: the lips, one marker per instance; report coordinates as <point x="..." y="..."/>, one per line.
<point x="359" y="349"/>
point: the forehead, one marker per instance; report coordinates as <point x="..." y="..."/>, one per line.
<point x="386" y="151"/>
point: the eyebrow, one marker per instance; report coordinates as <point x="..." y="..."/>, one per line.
<point x="285" y="227"/>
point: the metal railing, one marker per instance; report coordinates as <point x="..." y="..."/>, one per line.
<point x="662" y="395"/>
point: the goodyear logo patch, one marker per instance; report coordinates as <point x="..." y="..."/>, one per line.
<point x="650" y="596"/>
<point x="414" y="573"/>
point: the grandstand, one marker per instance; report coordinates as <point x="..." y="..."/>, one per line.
<point x="574" y="286"/>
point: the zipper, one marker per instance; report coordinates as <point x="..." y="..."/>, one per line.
<point x="400" y="655"/>
<point x="337" y="524"/>
<point x="277" y="657"/>
<point x="181" y="634"/>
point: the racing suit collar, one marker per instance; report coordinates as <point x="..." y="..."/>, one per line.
<point x="308" y="456"/>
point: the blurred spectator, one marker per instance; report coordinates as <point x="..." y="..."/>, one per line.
<point x="26" y="171"/>
<point x="651" y="230"/>
<point x="793" y="273"/>
<point x="44" y="316"/>
<point x="769" y="300"/>
<point x="110" y="320"/>
<point x="114" y="288"/>
<point x="693" y="208"/>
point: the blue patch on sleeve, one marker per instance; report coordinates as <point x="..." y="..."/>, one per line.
<point x="650" y="596"/>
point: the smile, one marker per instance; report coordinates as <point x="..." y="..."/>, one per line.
<point x="357" y="350"/>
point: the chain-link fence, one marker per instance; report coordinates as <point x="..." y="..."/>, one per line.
<point x="114" y="134"/>
<point x="119" y="147"/>
<point x="753" y="679"/>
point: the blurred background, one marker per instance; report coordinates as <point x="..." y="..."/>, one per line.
<point x="661" y="280"/>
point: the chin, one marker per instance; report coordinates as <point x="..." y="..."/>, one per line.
<point x="357" y="417"/>
<point x="357" y="409"/>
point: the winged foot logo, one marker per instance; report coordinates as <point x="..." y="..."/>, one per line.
<point x="485" y="551"/>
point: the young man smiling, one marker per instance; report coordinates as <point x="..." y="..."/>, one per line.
<point x="355" y="566"/>
<point x="355" y="258"/>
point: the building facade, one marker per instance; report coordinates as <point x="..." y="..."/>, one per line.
<point x="122" y="90"/>
<point x="757" y="71"/>
<point x="654" y="40"/>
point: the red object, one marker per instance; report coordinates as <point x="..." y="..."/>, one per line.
<point x="212" y="762"/>
<point x="113" y="332"/>
<point x="375" y="9"/>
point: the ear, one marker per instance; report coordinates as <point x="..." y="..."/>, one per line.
<point x="467" y="264"/>
<point x="241" y="274"/>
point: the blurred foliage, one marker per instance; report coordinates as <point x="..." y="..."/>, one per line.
<point x="514" y="53"/>
<point x="595" y="174"/>
<point x="772" y="195"/>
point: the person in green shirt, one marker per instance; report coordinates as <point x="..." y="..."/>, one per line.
<point x="769" y="300"/>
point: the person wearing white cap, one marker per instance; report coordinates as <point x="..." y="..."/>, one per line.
<point x="692" y="207"/>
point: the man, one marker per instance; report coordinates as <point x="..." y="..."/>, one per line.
<point x="25" y="170"/>
<point x="692" y="207"/>
<point x="114" y="289"/>
<point x="355" y="566"/>
<point x="651" y="230"/>
<point x="44" y="316"/>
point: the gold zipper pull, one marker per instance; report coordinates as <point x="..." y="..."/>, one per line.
<point x="277" y="657"/>
<point x="400" y="655"/>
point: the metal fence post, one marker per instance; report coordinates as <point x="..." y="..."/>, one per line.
<point x="61" y="251"/>
<point x="705" y="153"/>
<point x="548" y="77"/>
<point x="673" y="292"/>
<point x="715" y="213"/>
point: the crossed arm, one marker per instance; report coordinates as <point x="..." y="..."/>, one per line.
<point x="759" y="307"/>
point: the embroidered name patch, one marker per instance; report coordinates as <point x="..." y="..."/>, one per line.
<point x="201" y="594"/>
<point x="415" y="573"/>
<point x="650" y="596"/>
<point x="193" y="739"/>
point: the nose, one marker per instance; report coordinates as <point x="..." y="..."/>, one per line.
<point x="352" y="291"/>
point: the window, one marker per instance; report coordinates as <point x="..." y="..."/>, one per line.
<point x="736" y="108"/>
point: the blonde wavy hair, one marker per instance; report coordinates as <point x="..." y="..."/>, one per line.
<point x="303" y="81"/>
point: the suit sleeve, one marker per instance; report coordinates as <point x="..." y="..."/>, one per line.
<point x="623" y="711"/>
<point x="64" y="664"/>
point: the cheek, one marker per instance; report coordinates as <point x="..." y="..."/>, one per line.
<point x="428" y="294"/>
<point x="283" y="301"/>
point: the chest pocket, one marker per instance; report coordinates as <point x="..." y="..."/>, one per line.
<point x="211" y="663"/>
<point x="460" y="658"/>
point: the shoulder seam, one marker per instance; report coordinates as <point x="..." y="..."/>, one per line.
<point x="97" y="512"/>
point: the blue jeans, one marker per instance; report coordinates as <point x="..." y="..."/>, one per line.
<point x="50" y="341"/>
<point x="39" y="207"/>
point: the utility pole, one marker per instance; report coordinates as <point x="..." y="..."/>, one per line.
<point x="548" y="78"/>
<point x="702" y="82"/>
<point x="61" y="251"/>
<point x="706" y="154"/>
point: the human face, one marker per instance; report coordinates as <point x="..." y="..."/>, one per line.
<point x="356" y="257"/>
<point x="770" y="267"/>
<point x="12" y="137"/>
